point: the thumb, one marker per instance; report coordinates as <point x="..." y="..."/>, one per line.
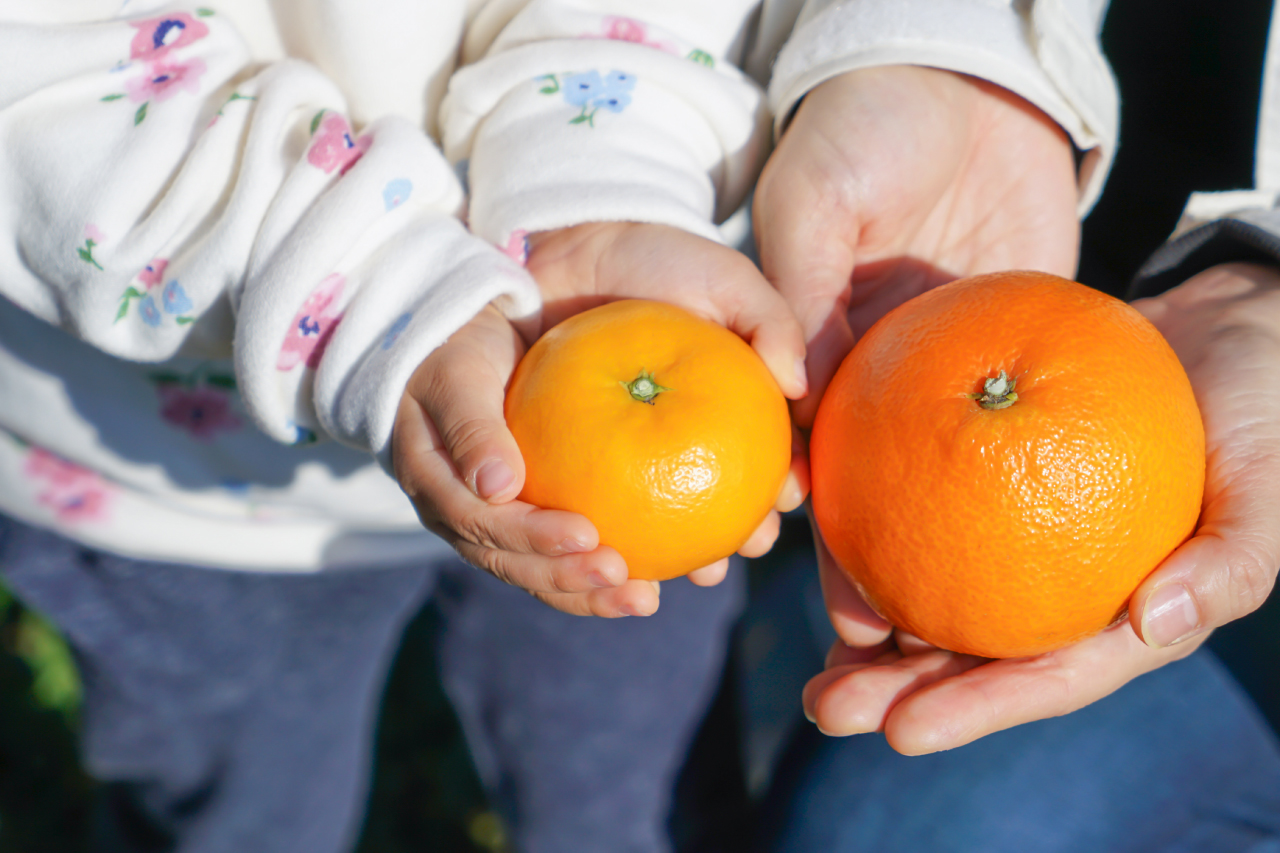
<point x="1225" y="571"/>
<point x="811" y="268"/>
<point x="759" y="315"/>
<point x="461" y="386"/>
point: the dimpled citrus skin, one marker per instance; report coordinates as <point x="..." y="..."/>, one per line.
<point x="1007" y="532"/>
<point x="673" y="486"/>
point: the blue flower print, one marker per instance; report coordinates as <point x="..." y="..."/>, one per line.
<point x="581" y="88"/>
<point x="401" y="323"/>
<point x="396" y="193"/>
<point x="591" y="92"/>
<point x="614" y="103"/>
<point x="308" y="326"/>
<point x="175" y="299"/>
<point x="149" y="311"/>
<point x="619" y="81"/>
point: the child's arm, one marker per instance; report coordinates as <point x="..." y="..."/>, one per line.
<point x="605" y="141"/>
<point x="164" y="192"/>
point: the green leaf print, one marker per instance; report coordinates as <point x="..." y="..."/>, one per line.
<point x="86" y="253"/>
<point x="126" y="299"/>
<point x="140" y="114"/>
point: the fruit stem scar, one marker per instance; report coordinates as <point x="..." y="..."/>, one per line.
<point x="643" y="388"/>
<point x="997" y="392"/>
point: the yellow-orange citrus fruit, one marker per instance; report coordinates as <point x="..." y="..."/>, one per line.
<point x="676" y="481"/>
<point x="1000" y="461"/>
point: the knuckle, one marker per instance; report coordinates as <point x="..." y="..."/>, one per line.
<point x="467" y="434"/>
<point x="1252" y="578"/>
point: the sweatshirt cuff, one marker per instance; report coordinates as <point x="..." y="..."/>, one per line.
<point x="1047" y="56"/>
<point x="428" y="284"/>
<point x="564" y="132"/>
<point x="1248" y="230"/>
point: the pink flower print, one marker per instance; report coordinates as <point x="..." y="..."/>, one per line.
<point x="74" y="493"/>
<point x="94" y="233"/>
<point x="629" y="29"/>
<point x="517" y="247"/>
<point x="201" y="411"/>
<point x="158" y="36"/>
<point x="333" y="147"/>
<point x="313" y="325"/>
<point x="164" y="79"/>
<point x="153" y="273"/>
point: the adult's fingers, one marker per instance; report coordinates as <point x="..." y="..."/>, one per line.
<point x="1225" y="326"/>
<point x="859" y="698"/>
<point x="982" y="699"/>
<point x="855" y="623"/>
<point x="1228" y="568"/>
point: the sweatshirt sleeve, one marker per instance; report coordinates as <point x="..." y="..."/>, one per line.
<point x="1046" y="51"/>
<point x="571" y="111"/>
<point x="163" y="193"/>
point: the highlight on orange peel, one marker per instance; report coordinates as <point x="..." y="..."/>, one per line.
<point x="1001" y="461"/>
<point x="666" y="430"/>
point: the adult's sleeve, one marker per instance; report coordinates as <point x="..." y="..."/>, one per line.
<point x="162" y="193"/>
<point x="1216" y="228"/>
<point x="1046" y="51"/>
<point x="572" y="111"/>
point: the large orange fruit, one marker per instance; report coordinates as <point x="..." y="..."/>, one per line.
<point x="1000" y="461"/>
<point x="664" y="429"/>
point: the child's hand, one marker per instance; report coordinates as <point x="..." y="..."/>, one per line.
<point x="587" y="265"/>
<point x="893" y="180"/>
<point x="1224" y="325"/>
<point x="458" y="463"/>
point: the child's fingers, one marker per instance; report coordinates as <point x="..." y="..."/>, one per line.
<point x="461" y="386"/>
<point x="634" y="598"/>
<point x="796" y="487"/>
<point x="710" y="575"/>
<point x="760" y="315"/>
<point x="601" y="569"/>
<point x="763" y="537"/>
<point x="445" y="504"/>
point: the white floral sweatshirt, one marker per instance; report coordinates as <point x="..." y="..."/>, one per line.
<point x="228" y="234"/>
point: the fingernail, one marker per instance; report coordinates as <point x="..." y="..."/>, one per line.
<point x="810" y="717"/>
<point x="599" y="581"/>
<point x="1170" y="616"/>
<point x="657" y="587"/>
<point x="629" y="610"/>
<point x="802" y="376"/>
<point x="493" y="476"/>
<point x="572" y="546"/>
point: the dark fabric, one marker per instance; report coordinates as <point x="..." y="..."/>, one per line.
<point x="233" y="711"/>
<point x="228" y="710"/>
<point x="581" y="725"/>
<point x="1222" y="241"/>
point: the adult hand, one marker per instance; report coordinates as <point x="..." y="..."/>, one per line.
<point x="457" y="461"/>
<point x="1224" y="325"/>
<point x="587" y="265"/>
<point x="890" y="181"/>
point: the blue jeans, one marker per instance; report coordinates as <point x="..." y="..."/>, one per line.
<point x="1177" y="760"/>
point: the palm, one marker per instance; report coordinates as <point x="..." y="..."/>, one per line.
<point x="892" y="181"/>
